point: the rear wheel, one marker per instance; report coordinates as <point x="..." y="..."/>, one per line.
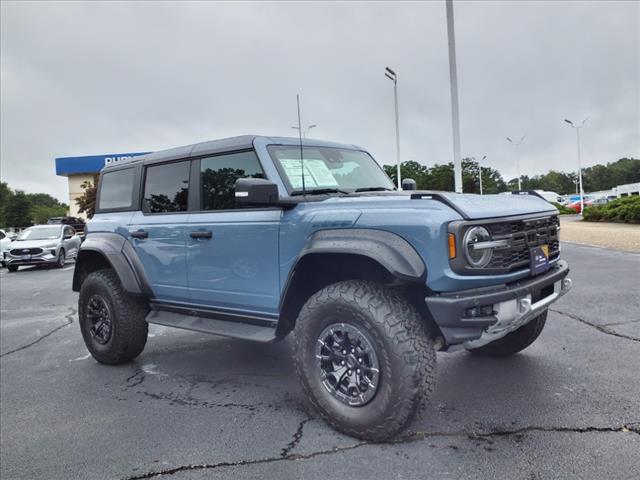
<point x="112" y="322"/>
<point x="12" y="268"/>
<point x="364" y="359"/>
<point x="515" y="341"/>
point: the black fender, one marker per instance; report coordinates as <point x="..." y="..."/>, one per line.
<point x="104" y="250"/>
<point x="390" y="250"/>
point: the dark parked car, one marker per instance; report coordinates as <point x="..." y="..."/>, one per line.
<point x="77" y="223"/>
<point x="257" y="237"/>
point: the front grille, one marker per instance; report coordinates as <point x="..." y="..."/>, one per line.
<point x="26" y="251"/>
<point x="522" y="235"/>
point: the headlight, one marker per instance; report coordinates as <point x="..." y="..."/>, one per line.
<point x="477" y="257"/>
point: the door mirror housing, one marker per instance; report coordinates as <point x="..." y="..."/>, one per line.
<point x="256" y="191"/>
<point x="409" y="184"/>
<point x="67" y="237"/>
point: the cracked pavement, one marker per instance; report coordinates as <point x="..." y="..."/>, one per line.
<point x="194" y="406"/>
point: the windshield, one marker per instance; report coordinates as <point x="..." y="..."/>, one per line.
<point x="40" y="233"/>
<point x="329" y="169"/>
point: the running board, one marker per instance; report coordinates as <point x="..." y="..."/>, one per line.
<point x="213" y="322"/>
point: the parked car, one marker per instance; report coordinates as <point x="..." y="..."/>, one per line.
<point x="552" y="197"/>
<point x="577" y="207"/>
<point x="78" y="224"/>
<point x="5" y="241"/>
<point x="257" y="237"/>
<point x="43" y="245"/>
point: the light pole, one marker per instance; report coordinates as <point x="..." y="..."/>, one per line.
<point x="517" y="144"/>
<point x="391" y="75"/>
<point x="480" y="171"/>
<point x="304" y="132"/>
<point x="577" y="128"/>
<point x="453" y="81"/>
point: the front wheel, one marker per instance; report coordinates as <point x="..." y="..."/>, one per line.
<point x="515" y="341"/>
<point x="12" y="268"/>
<point x="61" y="259"/>
<point x="364" y="359"/>
<point x="112" y="322"/>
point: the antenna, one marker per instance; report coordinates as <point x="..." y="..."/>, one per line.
<point x="300" y="137"/>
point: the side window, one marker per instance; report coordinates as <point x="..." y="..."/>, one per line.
<point x="116" y="189"/>
<point x="218" y="176"/>
<point x="2" y="235"/>
<point x="166" y="187"/>
<point x="69" y="231"/>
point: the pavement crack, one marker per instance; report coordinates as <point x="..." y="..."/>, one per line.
<point x="410" y="438"/>
<point x="600" y="328"/>
<point x="136" y="379"/>
<point x="69" y="319"/>
<point x="297" y="436"/>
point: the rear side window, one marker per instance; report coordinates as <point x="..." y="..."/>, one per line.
<point x="166" y="187"/>
<point x="116" y="190"/>
<point x="218" y="176"/>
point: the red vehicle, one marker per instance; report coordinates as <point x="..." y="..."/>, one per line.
<point x="576" y="205"/>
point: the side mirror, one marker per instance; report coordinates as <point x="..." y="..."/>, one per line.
<point x="409" y="184"/>
<point x="67" y="237"/>
<point x="255" y="191"/>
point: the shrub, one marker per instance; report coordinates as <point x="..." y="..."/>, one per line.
<point x="563" y="210"/>
<point x="622" y="210"/>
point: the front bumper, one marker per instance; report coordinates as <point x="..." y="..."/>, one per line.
<point x="48" y="256"/>
<point x="511" y="306"/>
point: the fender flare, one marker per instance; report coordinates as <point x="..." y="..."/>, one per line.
<point x="120" y="255"/>
<point x="390" y="250"/>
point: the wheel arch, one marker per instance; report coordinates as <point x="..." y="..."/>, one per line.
<point x="332" y="256"/>
<point x="109" y="250"/>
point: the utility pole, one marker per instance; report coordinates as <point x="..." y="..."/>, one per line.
<point x="391" y="75"/>
<point x="480" y="172"/>
<point x="516" y="145"/>
<point x="577" y="128"/>
<point x="453" y="76"/>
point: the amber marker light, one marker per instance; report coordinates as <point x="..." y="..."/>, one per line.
<point x="452" y="246"/>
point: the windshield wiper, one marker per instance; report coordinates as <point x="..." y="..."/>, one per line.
<point x="318" y="191"/>
<point x="373" y="189"/>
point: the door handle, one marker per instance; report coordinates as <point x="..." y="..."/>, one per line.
<point x="201" y="234"/>
<point x="139" y="234"/>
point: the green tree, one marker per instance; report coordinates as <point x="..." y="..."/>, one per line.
<point x="18" y="213"/>
<point x="5" y="198"/>
<point x="87" y="201"/>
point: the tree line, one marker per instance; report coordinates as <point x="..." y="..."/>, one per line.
<point x="440" y="177"/>
<point x="20" y="209"/>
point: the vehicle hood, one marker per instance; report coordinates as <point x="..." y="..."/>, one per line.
<point x="468" y="206"/>
<point x="31" y="243"/>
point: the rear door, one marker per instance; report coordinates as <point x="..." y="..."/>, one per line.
<point x="158" y="232"/>
<point x="232" y="253"/>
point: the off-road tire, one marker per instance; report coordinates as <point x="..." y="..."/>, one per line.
<point x="12" y="268"/>
<point x="405" y="353"/>
<point x="515" y="341"/>
<point x="128" y="326"/>
<point x="62" y="258"/>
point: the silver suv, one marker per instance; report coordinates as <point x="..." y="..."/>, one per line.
<point x="43" y="245"/>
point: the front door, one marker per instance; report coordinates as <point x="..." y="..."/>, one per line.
<point x="232" y="254"/>
<point x="158" y="233"/>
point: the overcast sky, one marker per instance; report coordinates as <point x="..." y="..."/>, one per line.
<point x="92" y="78"/>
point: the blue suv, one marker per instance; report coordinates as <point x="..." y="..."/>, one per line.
<point x="255" y="237"/>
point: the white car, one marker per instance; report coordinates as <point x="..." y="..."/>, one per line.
<point x="5" y="241"/>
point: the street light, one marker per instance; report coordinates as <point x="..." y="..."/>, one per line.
<point x="391" y="75"/>
<point x="517" y="144"/>
<point x="305" y="132"/>
<point x="577" y="128"/>
<point x="480" y="171"/>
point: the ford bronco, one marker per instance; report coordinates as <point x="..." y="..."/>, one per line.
<point x="256" y="237"/>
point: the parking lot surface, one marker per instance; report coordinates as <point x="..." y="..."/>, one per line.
<point x="194" y="406"/>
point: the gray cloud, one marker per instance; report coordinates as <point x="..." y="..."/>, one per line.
<point x="88" y="78"/>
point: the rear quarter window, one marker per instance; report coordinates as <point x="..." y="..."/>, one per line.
<point x="116" y="189"/>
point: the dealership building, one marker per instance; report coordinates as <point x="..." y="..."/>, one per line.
<point x="79" y="169"/>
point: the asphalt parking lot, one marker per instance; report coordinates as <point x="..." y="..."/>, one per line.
<point x="197" y="406"/>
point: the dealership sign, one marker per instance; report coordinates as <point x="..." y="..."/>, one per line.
<point x="90" y="163"/>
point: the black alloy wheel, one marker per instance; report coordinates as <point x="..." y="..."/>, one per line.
<point x="100" y="319"/>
